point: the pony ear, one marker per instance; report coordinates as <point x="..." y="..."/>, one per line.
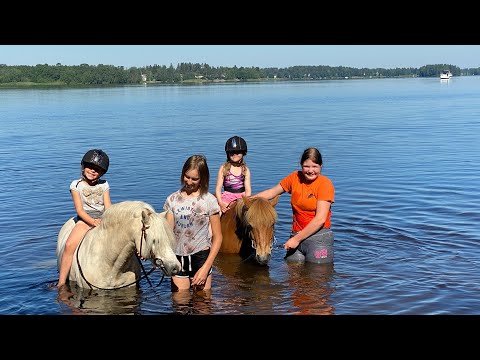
<point x="247" y="201"/>
<point x="146" y="217"/>
<point x="274" y="201"/>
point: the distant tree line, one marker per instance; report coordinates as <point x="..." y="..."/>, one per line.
<point x="85" y="74"/>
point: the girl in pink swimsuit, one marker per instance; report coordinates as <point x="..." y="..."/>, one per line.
<point x="233" y="175"/>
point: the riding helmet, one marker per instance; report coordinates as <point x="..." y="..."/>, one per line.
<point x="236" y="143"/>
<point x="96" y="157"/>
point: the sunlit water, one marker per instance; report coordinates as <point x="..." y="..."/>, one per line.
<point x="402" y="153"/>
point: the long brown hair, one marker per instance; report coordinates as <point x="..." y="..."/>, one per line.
<point x="198" y="162"/>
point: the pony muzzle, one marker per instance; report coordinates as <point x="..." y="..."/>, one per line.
<point x="262" y="260"/>
<point x="168" y="272"/>
<point x="159" y="263"/>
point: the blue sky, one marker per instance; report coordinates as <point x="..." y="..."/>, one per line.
<point x="357" y="56"/>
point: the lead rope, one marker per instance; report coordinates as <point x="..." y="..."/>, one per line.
<point x="139" y="254"/>
<point x="144" y="236"/>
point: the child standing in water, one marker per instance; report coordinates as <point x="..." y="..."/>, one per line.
<point x="193" y="214"/>
<point x="91" y="196"/>
<point x="233" y="175"/>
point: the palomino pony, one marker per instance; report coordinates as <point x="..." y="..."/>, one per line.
<point x="248" y="228"/>
<point x="106" y="258"/>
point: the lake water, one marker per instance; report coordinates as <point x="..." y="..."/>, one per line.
<point x="402" y="154"/>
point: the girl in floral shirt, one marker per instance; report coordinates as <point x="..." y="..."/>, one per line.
<point x="194" y="215"/>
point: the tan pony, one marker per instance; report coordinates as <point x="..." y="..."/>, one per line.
<point x="106" y="258"/>
<point x="248" y="229"/>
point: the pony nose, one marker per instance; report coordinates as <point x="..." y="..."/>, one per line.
<point x="263" y="260"/>
<point x="167" y="270"/>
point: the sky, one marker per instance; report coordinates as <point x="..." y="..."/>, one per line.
<point x="263" y="56"/>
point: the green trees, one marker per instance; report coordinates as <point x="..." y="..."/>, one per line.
<point x="101" y="74"/>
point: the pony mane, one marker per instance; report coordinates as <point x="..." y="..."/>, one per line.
<point x="120" y="216"/>
<point x="161" y="230"/>
<point x="248" y="228"/>
<point x="121" y="213"/>
<point x="261" y="212"/>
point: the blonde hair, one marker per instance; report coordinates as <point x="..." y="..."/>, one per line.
<point x="227" y="165"/>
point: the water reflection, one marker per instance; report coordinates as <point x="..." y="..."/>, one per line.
<point x="189" y="302"/>
<point x="311" y="288"/>
<point x="240" y="288"/>
<point x="82" y="301"/>
<point x="245" y="287"/>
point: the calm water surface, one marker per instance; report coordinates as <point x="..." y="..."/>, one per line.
<point x="403" y="155"/>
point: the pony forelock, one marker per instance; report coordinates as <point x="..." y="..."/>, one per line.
<point x="260" y="212"/>
<point x="161" y="230"/>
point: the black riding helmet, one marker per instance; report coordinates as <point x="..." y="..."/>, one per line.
<point x="236" y="143"/>
<point x="96" y="157"/>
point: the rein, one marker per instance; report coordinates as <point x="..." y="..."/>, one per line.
<point x="143" y="237"/>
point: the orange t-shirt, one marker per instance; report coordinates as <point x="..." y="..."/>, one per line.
<point x="305" y="196"/>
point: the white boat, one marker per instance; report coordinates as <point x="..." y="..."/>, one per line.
<point x="445" y="75"/>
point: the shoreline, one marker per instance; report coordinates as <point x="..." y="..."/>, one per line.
<point x="24" y="85"/>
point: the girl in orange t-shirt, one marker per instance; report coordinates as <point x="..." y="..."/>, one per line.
<point x="312" y="196"/>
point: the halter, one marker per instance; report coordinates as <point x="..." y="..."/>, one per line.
<point x="248" y="231"/>
<point x="142" y="237"/>
<point x="252" y="239"/>
<point x="158" y="262"/>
